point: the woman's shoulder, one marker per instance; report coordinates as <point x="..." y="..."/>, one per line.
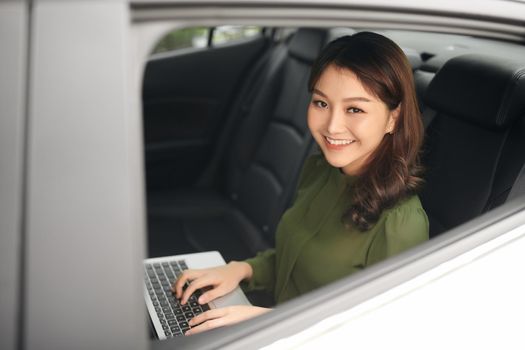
<point x="405" y="226"/>
<point x="409" y="203"/>
<point x="407" y="216"/>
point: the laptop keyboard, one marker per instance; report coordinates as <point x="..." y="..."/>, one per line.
<point x="173" y="316"/>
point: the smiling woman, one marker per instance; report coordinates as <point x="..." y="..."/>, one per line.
<point x="365" y="118"/>
<point x="367" y="126"/>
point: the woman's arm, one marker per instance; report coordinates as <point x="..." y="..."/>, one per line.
<point x="263" y="272"/>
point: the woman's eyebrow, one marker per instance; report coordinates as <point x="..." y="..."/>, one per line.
<point x="357" y="98"/>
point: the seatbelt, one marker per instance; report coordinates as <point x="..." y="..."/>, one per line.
<point x="518" y="189"/>
<point x="254" y="81"/>
<point x="428" y="115"/>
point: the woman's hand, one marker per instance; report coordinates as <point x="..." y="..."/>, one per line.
<point x="223" y="279"/>
<point x="222" y="317"/>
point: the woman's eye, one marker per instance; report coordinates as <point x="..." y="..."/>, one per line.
<point x="354" y="110"/>
<point x="320" y="104"/>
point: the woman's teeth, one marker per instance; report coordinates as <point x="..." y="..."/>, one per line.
<point x="338" y="142"/>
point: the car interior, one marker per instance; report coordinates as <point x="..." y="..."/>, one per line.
<point x="225" y="133"/>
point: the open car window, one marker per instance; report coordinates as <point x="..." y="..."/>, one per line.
<point x="470" y="235"/>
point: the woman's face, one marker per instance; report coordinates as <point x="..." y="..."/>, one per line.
<point x="346" y="120"/>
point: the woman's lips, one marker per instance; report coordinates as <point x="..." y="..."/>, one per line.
<point x="337" y="144"/>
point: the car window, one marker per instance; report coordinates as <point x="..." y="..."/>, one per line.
<point x="202" y="37"/>
<point x="194" y="37"/>
<point x="231" y="34"/>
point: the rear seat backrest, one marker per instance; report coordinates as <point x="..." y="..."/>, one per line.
<point x="511" y="161"/>
<point x="272" y="142"/>
<point x="257" y="177"/>
<point x="477" y="99"/>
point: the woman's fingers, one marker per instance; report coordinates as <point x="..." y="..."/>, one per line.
<point x="208" y="315"/>
<point x="210" y="295"/>
<point x="223" y="278"/>
<point x="193" y="286"/>
<point x="221" y="317"/>
<point x="186" y="276"/>
<point x="208" y="320"/>
<point x="179" y="283"/>
<point x="206" y="326"/>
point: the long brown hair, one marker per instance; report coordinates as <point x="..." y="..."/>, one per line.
<point x="392" y="171"/>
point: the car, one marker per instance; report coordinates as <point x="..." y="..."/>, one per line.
<point x="112" y="141"/>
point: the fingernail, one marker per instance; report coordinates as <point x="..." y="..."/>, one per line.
<point x="187" y="333"/>
<point x="202" y="300"/>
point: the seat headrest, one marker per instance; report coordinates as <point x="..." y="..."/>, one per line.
<point x="338" y="32"/>
<point x="414" y="58"/>
<point x="483" y="90"/>
<point x="306" y="43"/>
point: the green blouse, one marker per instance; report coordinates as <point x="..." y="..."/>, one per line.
<point x="314" y="248"/>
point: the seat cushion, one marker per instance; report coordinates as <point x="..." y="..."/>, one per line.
<point x="232" y="232"/>
<point x="207" y="222"/>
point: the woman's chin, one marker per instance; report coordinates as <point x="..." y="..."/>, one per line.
<point x="336" y="161"/>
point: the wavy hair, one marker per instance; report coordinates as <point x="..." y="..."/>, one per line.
<point x="393" y="171"/>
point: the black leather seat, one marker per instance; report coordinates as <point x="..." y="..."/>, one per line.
<point x="259" y="172"/>
<point x="472" y="153"/>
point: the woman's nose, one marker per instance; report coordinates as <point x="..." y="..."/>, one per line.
<point x="336" y="123"/>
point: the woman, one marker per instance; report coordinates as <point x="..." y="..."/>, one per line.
<point x="356" y="203"/>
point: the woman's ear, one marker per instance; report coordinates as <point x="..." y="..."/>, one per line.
<point x="392" y="119"/>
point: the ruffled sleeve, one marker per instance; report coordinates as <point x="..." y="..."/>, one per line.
<point x="264" y="272"/>
<point x="405" y="227"/>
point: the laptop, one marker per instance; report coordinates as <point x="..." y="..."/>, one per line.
<point x="168" y="317"/>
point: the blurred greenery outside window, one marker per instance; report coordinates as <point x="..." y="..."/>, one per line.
<point x="199" y="37"/>
<point x="229" y="34"/>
